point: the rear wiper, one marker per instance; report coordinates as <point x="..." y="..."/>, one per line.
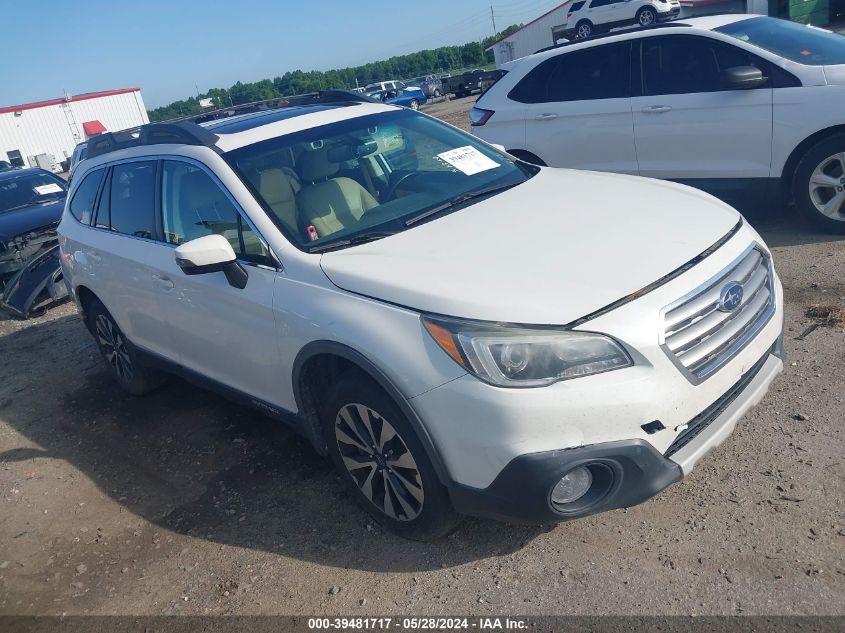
<point x="362" y="238"/>
<point x="449" y="204"/>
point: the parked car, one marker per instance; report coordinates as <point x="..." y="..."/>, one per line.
<point x="458" y="335"/>
<point x="408" y="97"/>
<point x="476" y="80"/>
<point x="393" y="84"/>
<point x="31" y="204"/>
<point x="590" y="17"/>
<point x="78" y="155"/>
<point x="743" y="107"/>
<point x="431" y="85"/>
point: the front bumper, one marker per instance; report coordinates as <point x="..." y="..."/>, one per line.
<point x="671" y="14"/>
<point x="521" y="491"/>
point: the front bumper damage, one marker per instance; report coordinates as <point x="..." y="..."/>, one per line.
<point x="30" y="273"/>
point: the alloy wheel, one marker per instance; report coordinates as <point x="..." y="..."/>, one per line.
<point x="827" y="187"/>
<point x="584" y="30"/>
<point x="379" y="462"/>
<point x="646" y="18"/>
<point x="415" y="104"/>
<point x="113" y="347"/>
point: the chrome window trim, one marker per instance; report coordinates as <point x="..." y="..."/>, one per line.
<point x="191" y="161"/>
<point x="729" y="353"/>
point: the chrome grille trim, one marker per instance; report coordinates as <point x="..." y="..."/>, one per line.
<point x="698" y="337"/>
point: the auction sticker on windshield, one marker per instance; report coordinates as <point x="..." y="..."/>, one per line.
<point x="43" y="190"/>
<point x="468" y="160"/>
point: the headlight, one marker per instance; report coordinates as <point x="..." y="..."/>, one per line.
<point x="510" y="356"/>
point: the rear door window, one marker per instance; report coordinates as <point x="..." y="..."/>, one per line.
<point x="600" y="72"/>
<point x="128" y="204"/>
<point x="82" y="205"/>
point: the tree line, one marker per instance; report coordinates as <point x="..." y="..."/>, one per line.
<point x="443" y="59"/>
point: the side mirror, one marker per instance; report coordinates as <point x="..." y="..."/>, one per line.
<point x="742" y="78"/>
<point x="211" y="254"/>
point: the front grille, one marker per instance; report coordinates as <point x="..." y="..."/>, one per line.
<point x="703" y="419"/>
<point x="699" y="336"/>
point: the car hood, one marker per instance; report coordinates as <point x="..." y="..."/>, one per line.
<point x="23" y="220"/>
<point x="549" y="251"/>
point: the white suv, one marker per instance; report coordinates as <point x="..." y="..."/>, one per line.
<point x="744" y="107"/>
<point x="426" y="309"/>
<point x="590" y="17"/>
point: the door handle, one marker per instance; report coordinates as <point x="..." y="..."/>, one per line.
<point x="547" y="116"/>
<point x="165" y="283"/>
<point x="657" y="109"/>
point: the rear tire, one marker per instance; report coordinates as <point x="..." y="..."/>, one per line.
<point x="414" y="105"/>
<point x="382" y="461"/>
<point x="120" y="355"/>
<point x="646" y="16"/>
<point x="583" y="29"/>
<point x="818" y="185"/>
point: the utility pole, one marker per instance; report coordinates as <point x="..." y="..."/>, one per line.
<point x="493" y="17"/>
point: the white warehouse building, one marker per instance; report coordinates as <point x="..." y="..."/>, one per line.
<point x="545" y="31"/>
<point x="45" y="133"/>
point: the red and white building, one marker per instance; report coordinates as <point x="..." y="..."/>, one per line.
<point x="56" y="126"/>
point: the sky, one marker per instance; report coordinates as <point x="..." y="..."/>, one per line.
<point x="171" y="49"/>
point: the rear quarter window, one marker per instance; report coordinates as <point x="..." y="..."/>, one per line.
<point x="82" y="204"/>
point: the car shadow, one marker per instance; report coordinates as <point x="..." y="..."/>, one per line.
<point x="783" y="226"/>
<point x="189" y="461"/>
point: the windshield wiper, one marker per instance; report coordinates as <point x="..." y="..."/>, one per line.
<point x="362" y="238"/>
<point x="449" y="204"/>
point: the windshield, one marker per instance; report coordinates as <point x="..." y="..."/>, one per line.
<point x="370" y="176"/>
<point x="26" y="190"/>
<point x="796" y="42"/>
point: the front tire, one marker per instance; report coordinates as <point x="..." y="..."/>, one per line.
<point x="383" y="462"/>
<point x="646" y="16"/>
<point x="120" y="355"/>
<point x="819" y="184"/>
<point x="583" y="29"/>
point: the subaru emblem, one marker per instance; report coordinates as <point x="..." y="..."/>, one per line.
<point x="730" y="297"/>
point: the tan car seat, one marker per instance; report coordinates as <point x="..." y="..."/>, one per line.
<point x="279" y="189"/>
<point x="330" y="204"/>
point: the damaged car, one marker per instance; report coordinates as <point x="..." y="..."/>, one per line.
<point x="31" y="205"/>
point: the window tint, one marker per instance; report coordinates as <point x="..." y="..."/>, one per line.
<point x="131" y="200"/>
<point x="600" y="3"/>
<point x="193" y="205"/>
<point x="82" y="205"/>
<point x="576" y="6"/>
<point x="601" y="72"/>
<point x="682" y="65"/>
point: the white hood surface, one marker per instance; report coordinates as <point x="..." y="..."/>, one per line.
<point x="549" y="251"/>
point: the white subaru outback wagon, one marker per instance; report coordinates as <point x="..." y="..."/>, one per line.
<point x="426" y="309"/>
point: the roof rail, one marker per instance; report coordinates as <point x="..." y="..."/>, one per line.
<point x="183" y="132"/>
<point x="308" y="98"/>
<point x="600" y="36"/>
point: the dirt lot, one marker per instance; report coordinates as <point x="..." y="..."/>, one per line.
<point x="183" y="503"/>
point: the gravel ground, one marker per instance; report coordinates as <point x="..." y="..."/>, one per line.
<point x="183" y="503"/>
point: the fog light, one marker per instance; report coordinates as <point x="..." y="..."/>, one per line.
<point x="572" y="486"/>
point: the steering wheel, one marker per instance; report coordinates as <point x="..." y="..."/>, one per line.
<point x="392" y="187"/>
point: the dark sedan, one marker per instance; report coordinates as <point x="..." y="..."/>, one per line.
<point x="31" y="205"/>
